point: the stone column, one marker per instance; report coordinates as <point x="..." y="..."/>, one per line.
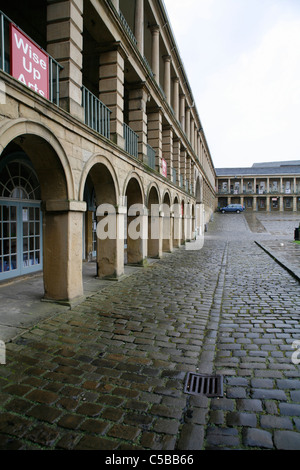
<point x="154" y="233"/>
<point x="62" y="242"/>
<point x="139" y="25"/>
<point x="138" y="118"/>
<point x="110" y="251"/>
<point x="188" y="123"/>
<point x="176" y="97"/>
<point x="167" y="148"/>
<point x="183" y="165"/>
<point x="167" y="78"/>
<point x="111" y="91"/>
<point x="155" y="52"/>
<point x="176" y="158"/>
<point x="65" y="44"/>
<point x="155" y="135"/>
<point x="137" y="243"/>
<point x="182" y="112"/>
<point x="294" y="204"/>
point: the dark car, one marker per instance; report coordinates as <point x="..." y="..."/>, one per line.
<point x="232" y="208"/>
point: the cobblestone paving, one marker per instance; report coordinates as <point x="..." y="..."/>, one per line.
<point x="109" y="374"/>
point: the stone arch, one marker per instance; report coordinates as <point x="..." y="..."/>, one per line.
<point x="153" y="206"/>
<point x="136" y="221"/>
<point x="167" y="237"/>
<point x="62" y="217"/>
<point x="46" y="154"/>
<point x="176" y="209"/>
<point x="99" y="186"/>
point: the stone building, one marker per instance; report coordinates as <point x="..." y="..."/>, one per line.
<point x="267" y="187"/>
<point x="95" y="108"/>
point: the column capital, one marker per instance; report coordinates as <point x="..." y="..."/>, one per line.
<point x="167" y="58"/>
<point x="154" y="29"/>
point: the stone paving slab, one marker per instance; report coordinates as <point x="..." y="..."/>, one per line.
<point x="109" y="373"/>
<point x="285" y="252"/>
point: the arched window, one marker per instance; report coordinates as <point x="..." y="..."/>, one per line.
<point x="18" y="180"/>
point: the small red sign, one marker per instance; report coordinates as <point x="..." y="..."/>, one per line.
<point x="164" y="167"/>
<point x="29" y="64"/>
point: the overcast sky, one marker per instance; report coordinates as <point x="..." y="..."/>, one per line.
<point x="242" y="59"/>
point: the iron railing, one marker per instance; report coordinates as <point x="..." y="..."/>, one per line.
<point x="127" y="28"/>
<point x="5" y="58"/>
<point x="131" y="141"/>
<point x="96" y="113"/>
<point x="151" y="156"/>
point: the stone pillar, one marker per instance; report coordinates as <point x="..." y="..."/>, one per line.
<point x="137" y="244"/>
<point x="268" y="204"/>
<point x="110" y="251"/>
<point x="154" y="233"/>
<point x="294" y="204"/>
<point x="167" y="78"/>
<point x="182" y="112"/>
<point x="281" y="204"/>
<point x="155" y="52"/>
<point x="183" y="165"/>
<point x="138" y="118"/>
<point x="188" y="123"/>
<point x="177" y="226"/>
<point x="139" y="25"/>
<point x="111" y="91"/>
<point x="167" y="148"/>
<point x="155" y="135"/>
<point x="176" y="97"/>
<point x="62" y="240"/>
<point x="189" y="171"/>
<point x="167" y="240"/>
<point x="176" y="157"/>
<point x="65" y="45"/>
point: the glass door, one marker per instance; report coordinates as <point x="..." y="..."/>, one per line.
<point x="20" y="238"/>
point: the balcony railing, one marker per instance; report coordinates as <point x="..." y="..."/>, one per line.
<point x="127" y="29"/>
<point x="96" y="114"/>
<point x="5" y="58"/>
<point x="151" y="156"/>
<point x="131" y="141"/>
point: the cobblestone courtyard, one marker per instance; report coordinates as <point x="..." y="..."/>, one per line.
<point x="109" y="374"/>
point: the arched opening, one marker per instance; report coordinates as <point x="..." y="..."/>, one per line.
<point x="135" y="224"/>
<point x="167" y="225"/>
<point x="21" y="235"/>
<point x="176" y="223"/>
<point x="100" y="240"/>
<point x="154" y="250"/>
<point x="39" y="232"/>
<point x="183" y="223"/>
<point x="199" y="209"/>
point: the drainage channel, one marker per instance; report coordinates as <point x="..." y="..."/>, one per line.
<point x="204" y="384"/>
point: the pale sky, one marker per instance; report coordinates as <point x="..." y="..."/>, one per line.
<point x="242" y="60"/>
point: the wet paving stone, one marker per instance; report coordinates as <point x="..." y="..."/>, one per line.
<point x="109" y="374"/>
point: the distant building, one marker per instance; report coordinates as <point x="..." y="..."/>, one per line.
<point x="267" y="187"/>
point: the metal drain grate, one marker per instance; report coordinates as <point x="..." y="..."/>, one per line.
<point x="209" y="385"/>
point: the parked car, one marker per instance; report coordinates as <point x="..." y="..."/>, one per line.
<point x="232" y="208"/>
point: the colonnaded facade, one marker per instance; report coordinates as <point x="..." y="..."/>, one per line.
<point x="271" y="186"/>
<point x="95" y="108"/>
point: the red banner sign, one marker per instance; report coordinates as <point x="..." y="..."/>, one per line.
<point x="164" y="167"/>
<point x="29" y="64"/>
